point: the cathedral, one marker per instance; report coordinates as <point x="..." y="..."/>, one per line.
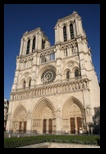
<point x="55" y="88"/>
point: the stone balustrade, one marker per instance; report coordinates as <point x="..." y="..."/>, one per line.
<point x="52" y="89"/>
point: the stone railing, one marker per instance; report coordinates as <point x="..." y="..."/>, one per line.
<point x="54" y="89"/>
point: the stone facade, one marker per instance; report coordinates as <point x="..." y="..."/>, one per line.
<point x="55" y="88"/>
<point x="6" y="105"/>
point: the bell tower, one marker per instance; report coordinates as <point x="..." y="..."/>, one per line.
<point x="68" y="28"/>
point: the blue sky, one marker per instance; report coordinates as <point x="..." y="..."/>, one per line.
<point x="19" y="18"/>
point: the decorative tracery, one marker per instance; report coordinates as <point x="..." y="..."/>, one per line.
<point x="48" y="76"/>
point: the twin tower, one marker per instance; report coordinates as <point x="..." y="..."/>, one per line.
<point x="55" y="88"/>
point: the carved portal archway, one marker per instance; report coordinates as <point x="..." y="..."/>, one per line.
<point x="19" y="119"/>
<point x="44" y="117"/>
<point x="73" y="116"/>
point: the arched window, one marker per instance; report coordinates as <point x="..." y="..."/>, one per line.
<point x="29" y="83"/>
<point x="43" y="44"/>
<point x="76" y="73"/>
<point x="33" y="44"/>
<point x="24" y="84"/>
<point x="28" y="46"/>
<point x="64" y="33"/>
<point x="71" y="31"/>
<point x="68" y="75"/>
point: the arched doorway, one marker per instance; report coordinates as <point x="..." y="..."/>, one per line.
<point x="73" y="115"/>
<point x="19" y="120"/>
<point x="44" y="117"/>
<point x="47" y="126"/>
<point x="47" y="118"/>
<point x="75" y="118"/>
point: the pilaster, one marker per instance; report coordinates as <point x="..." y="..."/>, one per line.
<point x="68" y="31"/>
<point x="58" y="121"/>
<point x="39" y="40"/>
<point x="29" y="123"/>
<point x="81" y="32"/>
<point x="60" y="34"/>
<point x="31" y="40"/>
<point x="24" y="47"/>
<point x="21" y="46"/>
<point x="56" y="37"/>
<point x="77" y="27"/>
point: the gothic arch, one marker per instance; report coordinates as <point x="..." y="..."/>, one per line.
<point x="67" y="73"/>
<point x="20" y="113"/>
<point x="40" y="106"/>
<point x="70" y="65"/>
<point x="73" y="115"/>
<point x="78" y="71"/>
<point x="45" y="68"/>
<point x="43" y="116"/>
<point x="25" y="75"/>
<point x="71" y="101"/>
<point x="74" y="68"/>
<point x="19" y="122"/>
<point x="28" y="79"/>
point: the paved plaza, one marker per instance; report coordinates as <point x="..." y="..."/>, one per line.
<point x="59" y="145"/>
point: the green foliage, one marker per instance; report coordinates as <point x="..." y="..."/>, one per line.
<point x="77" y="139"/>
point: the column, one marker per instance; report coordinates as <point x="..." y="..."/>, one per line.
<point x="77" y="27"/>
<point x="57" y="35"/>
<point x="31" y="40"/>
<point x="8" y="127"/>
<point x="29" y="123"/>
<point x="60" y="34"/>
<point x="53" y="125"/>
<point x="76" y="128"/>
<point x="21" y="46"/>
<point x="24" y="47"/>
<point x="56" y="38"/>
<point x="58" y="73"/>
<point x="58" y="121"/>
<point x="34" y="74"/>
<point x="39" y="40"/>
<point x="14" y="87"/>
<point x="74" y="28"/>
<point x="36" y="41"/>
<point x="47" y="126"/>
<point x="22" y="126"/>
<point x="58" y="125"/>
<point x="80" y="25"/>
<point x="68" y="31"/>
<point x="9" y="121"/>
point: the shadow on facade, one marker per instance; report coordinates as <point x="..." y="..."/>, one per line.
<point x="96" y="120"/>
<point x="94" y="128"/>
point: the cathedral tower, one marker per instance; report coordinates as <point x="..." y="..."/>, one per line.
<point x="55" y="88"/>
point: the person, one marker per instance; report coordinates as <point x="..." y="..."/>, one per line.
<point x="66" y="132"/>
<point x="80" y="130"/>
